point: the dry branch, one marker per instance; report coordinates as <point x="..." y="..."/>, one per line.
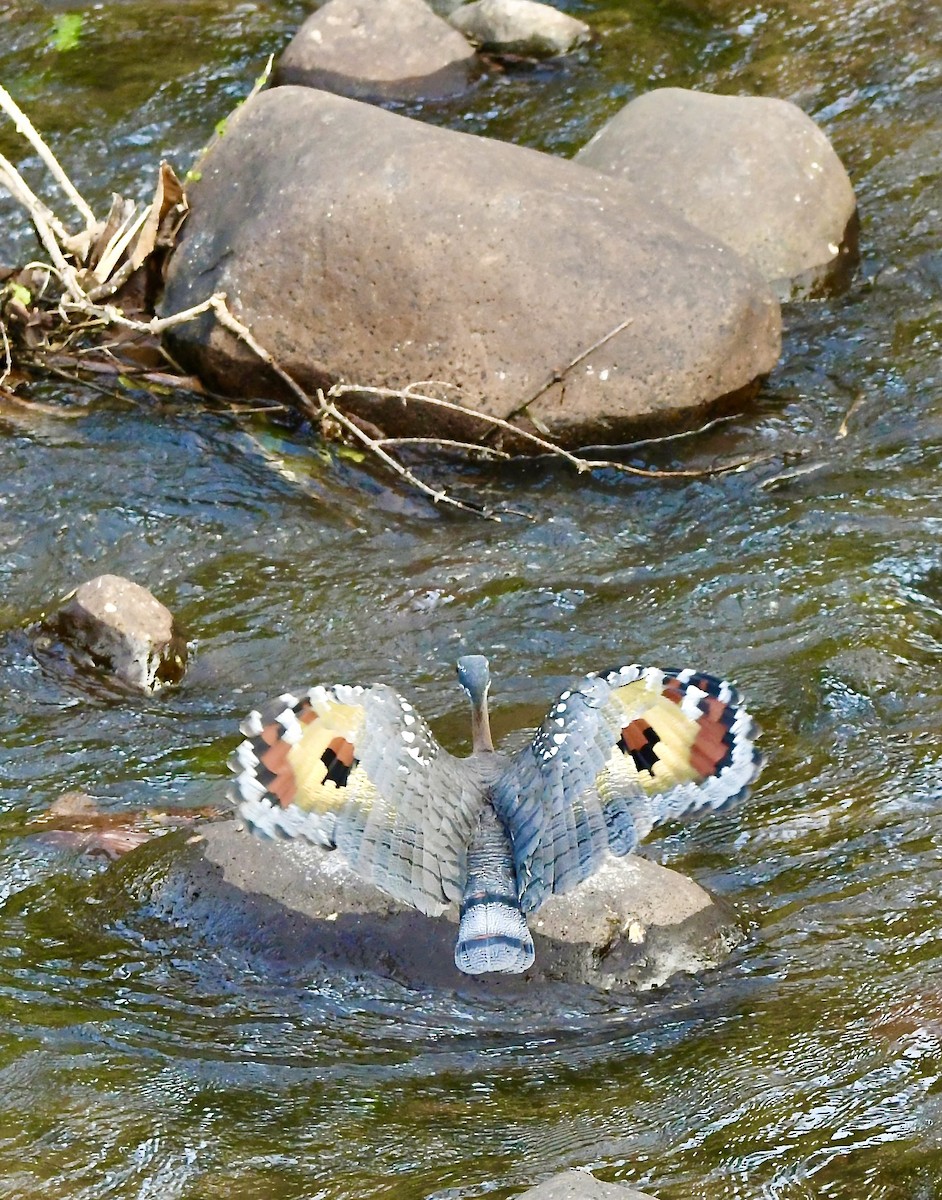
<point x="25" y="127"/>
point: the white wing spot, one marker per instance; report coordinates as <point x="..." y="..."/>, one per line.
<point x="690" y="705"/>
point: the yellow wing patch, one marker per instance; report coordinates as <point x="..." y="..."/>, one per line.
<point x="657" y="739"/>
<point x="674" y="730"/>
<point x="307" y="753"/>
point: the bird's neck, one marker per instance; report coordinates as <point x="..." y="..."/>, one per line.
<point x="480" y="726"/>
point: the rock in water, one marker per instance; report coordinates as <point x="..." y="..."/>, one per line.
<point x="120" y="628"/>
<point x="522" y="27"/>
<point x="757" y="173"/>
<point x="580" y="1185"/>
<point x="362" y="245"/>
<point x="633" y="925"/>
<point x="379" y="50"/>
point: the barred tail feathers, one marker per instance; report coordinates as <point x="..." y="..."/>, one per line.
<point x="493" y="933"/>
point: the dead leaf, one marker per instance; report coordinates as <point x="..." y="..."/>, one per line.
<point x="169" y="198"/>
<point x="104" y="235"/>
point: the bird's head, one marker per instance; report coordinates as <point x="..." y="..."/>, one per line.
<point x="474" y="675"/>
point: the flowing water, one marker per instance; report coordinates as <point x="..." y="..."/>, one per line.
<point x="145" y="1058"/>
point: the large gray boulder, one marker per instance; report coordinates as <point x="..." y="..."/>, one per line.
<point x="580" y="1185"/>
<point x="756" y="173"/>
<point x="114" y="625"/>
<point x="364" y="246"/>
<point x="519" y="27"/>
<point x="633" y="925"/>
<point x="379" y="50"/>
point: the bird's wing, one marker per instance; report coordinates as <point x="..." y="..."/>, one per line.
<point x="621" y="752"/>
<point x="358" y="769"/>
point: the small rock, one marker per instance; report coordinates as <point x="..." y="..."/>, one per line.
<point x="379" y="50"/>
<point x="305" y="903"/>
<point x="580" y="1185"/>
<point x="439" y="255"/>
<point x="756" y="173"/>
<point x="122" y="629"/>
<point x="519" y="27"/>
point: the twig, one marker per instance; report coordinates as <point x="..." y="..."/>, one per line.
<point x="559" y="376"/>
<point x="845" y="424"/>
<point x="70" y="377"/>
<point x="576" y="461"/>
<point x="26" y="128"/>
<point x="680" y="435"/>
<point x="775" y="481"/>
<point x="439" y="496"/>
<point x="234" y="325"/>
<point x="324" y="408"/>
<point x="7" y="357"/>
<point x="344" y="389"/>
<point x="113" y="315"/>
<point x="50" y="231"/>
<point x="445" y="444"/>
<point x="34" y="406"/>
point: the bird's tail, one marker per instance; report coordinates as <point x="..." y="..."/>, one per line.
<point x="493" y="933"/>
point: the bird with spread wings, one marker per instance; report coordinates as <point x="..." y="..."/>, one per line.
<point x="357" y="769"/>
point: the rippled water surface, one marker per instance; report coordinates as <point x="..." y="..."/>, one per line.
<point x="145" y="1058"/>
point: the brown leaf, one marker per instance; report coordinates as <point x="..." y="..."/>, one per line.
<point x="115" y="219"/>
<point x="169" y="199"/>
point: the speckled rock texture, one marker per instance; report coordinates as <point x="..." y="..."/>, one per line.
<point x="631" y="926"/>
<point x="756" y="173"/>
<point x="580" y="1185"/>
<point x="519" y="27"/>
<point x="117" y="626"/>
<point x="362" y="245"/>
<point x="379" y="50"/>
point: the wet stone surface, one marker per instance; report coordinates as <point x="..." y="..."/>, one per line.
<point x="118" y="627"/>
<point x="631" y="926"/>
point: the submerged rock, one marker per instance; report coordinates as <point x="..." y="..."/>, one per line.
<point x="117" y="626"/>
<point x="580" y="1185"/>
<point x="633" y="925"/>
<point x="76" y="821"/>
<point x="756" y="173"/>
<point x="364" y="246"/>
<point x="379" y="50"/>
<point x="522" y="27"/>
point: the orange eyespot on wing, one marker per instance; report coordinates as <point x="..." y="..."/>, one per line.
<point x="625" y="750"/>
<point x="357" y="769"/>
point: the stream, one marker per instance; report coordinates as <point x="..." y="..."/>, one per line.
<point x="141" y="1058"/>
